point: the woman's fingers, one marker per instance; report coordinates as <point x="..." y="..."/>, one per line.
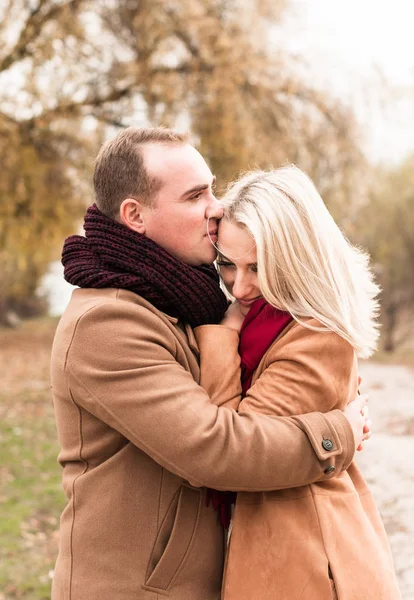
<point x="357" y="414"/>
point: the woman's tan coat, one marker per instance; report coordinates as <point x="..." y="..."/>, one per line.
<point x="314" y="541"/>
<point x="135" y="428"/>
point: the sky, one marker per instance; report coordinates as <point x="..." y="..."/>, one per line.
<point x="362" y="51"/>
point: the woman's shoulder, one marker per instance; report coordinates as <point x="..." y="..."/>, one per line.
<point x="310" y="334"/>
<point x="314" y="363"/>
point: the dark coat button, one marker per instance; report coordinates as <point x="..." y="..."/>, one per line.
<point x="327" y="444"/>
<point x="329" y="470"/>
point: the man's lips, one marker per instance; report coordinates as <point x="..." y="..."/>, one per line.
<point x="212" y="235"/>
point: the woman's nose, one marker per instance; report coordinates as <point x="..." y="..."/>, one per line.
<point x="241" y="286"/>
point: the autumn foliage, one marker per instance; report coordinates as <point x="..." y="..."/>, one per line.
<point x="73" y="71"/>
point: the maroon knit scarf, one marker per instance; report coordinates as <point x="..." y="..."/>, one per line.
<point x="260" y="328"/>
<point x="113" y="256"/>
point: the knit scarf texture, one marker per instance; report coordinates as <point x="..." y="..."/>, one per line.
<point x="260" y="328"/>
<point x="111" y="255"/>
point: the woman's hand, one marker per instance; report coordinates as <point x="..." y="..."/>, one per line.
<point x="357" y="414"/>
<point x="233" y="317"/>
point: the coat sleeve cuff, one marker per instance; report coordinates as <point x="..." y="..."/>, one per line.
<point x="330" y="435"/>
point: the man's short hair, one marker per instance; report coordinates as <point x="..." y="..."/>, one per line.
<point x="120" y="171"/>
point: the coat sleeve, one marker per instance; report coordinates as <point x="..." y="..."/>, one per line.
<point x="220" y="364"/>
<point x="124" y="370"/>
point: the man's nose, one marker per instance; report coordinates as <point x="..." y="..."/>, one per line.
<point x="214" y="209"/>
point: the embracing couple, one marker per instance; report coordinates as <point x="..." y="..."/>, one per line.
<point x="207" y="449"/>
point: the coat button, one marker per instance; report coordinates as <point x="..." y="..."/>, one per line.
<point x="327" y="444"/>
<point x="330" y="470"/>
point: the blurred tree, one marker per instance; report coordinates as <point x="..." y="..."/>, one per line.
<point x="214" y="65"/>
<point x="386" y="229"/>
<point x="43" y="155"/>
<point x="71" y="68"/>
<point x="48" y="69"/>
<point x="39" y="201"/>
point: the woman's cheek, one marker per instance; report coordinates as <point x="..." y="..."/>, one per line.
<point x="227" y="282"/>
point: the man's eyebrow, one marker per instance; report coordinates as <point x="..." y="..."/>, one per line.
<point x="199" y="188"/>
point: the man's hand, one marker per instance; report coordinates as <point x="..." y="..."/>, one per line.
<point x="233" y="317"/>
<point x="357" y="414"/>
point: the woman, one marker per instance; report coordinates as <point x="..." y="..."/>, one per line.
<point x="305" y="307"/>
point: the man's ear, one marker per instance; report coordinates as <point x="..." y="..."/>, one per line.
<point x="131" y="214"/>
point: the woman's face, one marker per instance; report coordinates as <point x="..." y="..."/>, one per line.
<point x="237" y="261"/>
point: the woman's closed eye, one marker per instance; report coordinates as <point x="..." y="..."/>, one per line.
<point x="225" y="264"/>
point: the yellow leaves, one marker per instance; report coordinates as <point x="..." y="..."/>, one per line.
<point x="207" y="63"/>
<point x="37" y="210"/>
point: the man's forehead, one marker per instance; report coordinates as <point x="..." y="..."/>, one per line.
<point x="170" y="159"/>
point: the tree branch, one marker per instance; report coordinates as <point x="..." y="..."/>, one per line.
<point x="183" y="35"/>
<point x="72" y="109"/>
<point x="8" y="119"/>
<point x="32" y="29"/>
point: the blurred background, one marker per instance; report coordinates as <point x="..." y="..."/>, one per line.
<point x="326" y="84"/>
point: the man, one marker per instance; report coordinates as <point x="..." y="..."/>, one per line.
<point x="140" y="440"/>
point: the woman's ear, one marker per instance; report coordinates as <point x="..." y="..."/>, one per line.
<point x="132" y="214"/>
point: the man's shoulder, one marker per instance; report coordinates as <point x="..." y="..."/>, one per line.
<point x="100" y="311"/>
<point x="100" y="301"/>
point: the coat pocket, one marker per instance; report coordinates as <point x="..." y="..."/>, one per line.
<point x="172" y="550"/>
<point x="332" y="582"/>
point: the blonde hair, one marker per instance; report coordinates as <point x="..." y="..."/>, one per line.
<point x="306" y="266"/>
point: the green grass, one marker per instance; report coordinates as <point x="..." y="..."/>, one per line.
<point x="31" y="497"/>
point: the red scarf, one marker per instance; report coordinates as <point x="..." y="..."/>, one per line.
<point x="260" y="328"/>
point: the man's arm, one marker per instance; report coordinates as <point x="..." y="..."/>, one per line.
<point x="323" y="360"/>
<point x="122" y="367"/>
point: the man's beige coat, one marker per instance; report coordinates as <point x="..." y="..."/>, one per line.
<point x="140" y="442"/>
<point x="315" y="541"/>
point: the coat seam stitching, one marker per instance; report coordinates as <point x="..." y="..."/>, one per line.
<point x="346" y="446"/>
<point x="74" y="495"/>
<point x="159" y="509"/>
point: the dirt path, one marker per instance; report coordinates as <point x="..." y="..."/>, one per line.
<point x="388" y="460"/>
